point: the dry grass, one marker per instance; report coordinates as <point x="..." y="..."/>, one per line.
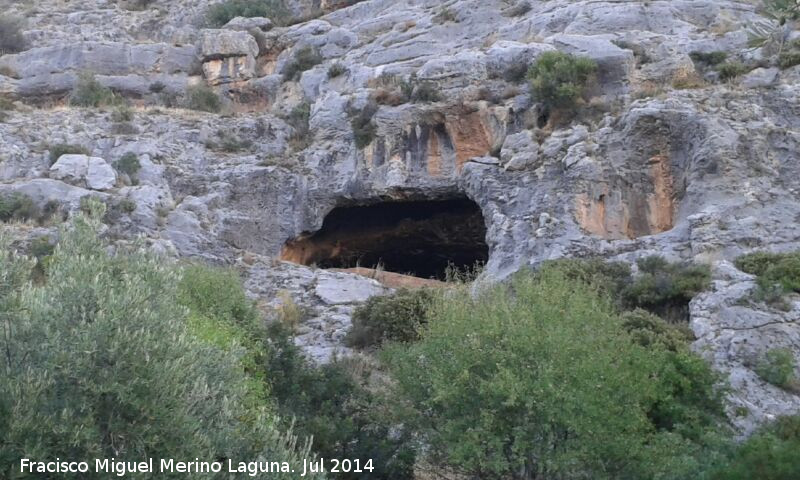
<point x="687" y="78"/>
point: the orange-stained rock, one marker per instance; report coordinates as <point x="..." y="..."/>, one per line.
<point x="617" y="210"/>
<point x="470" y="137"/>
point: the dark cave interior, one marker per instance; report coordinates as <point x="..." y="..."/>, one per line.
<point x="418" y="238"/>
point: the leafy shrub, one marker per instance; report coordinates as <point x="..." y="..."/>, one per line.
<point x="425" y="92"/>
<point x="90" y="93"/>
<point x="519" y="9"/>
<point x="11" y="38"/>
<point x="778" y="274"/>
<point x="334" y="405"/>
<point x="445" y="15"/>
<point x="203" y="99"/>
<point x="298" y="118"/>
<point x="17" y="206"/>
<point x="709" y="58"/>
<point x="98" y="362"/>
<point x="128" y="164"/>
<point x="778" y="367"/>
<point x="59" y="149"/>
<point x="304" y="59"/>
<point x="229" y="143"/>
<point x="666" y="288"/>
<point x="559" y="80"/>
<point x="122" y="113"/>
<point x="611" y="278"/>
<point x="789" y="58"/>
<point x="5" y="105"/>
<point x="769" y="454"/>
<point x="222" y="13"/>
<point x="363" y="127"/>
<point x="393" y="318"/>
<point x="336" y="70"/>
<point x="540" y="358"/>
<point x="648" y="330"/>
<point x="731" y="69"/>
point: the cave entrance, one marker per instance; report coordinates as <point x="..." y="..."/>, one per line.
<point x="418" y="238"/>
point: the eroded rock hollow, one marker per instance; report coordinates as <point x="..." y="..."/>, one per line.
<point x="419" y="238"/>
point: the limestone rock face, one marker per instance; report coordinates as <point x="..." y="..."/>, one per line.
<point x="91" y="172"/>
<point x="400" y="102"/>
<point x="228" y="56"/>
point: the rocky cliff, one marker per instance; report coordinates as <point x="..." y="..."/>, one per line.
<point x="423" y="101"/>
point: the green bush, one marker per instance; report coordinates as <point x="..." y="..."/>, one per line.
<point x="731" y="69"/>
<point x="304" y="59"/>
<point x="769" y="454"/>
<point x="393" y="318"/>
<point x="425" y="92"/>
<point x="778" y="368"/>
<point x="336" y="70"/>
<point x="709" y="58"/>
<point x="648" y="330"/>
<point x="559" y="80"/>
<point x="611" y="278"/>
<point x="88" y="92"/>
<point x="128" y="164"/>
<point x="222" y="13"/>
<point x="298" y="119"/>
<point x="778" y="274"/>
<point x="363" y="128"/>
<point x="519" y="9"/>
<point x="539" y="379"/>
<point x="98" y="362"/>
<point x="203" y="99"/>
<point x="11" y="38"/>
<point x="17" y="206"/>
<point x="335" y="404"/>
<point x="59" y="149"/>
<point x="666" y="288"/>
<point x="789" y="58"/>
<point x="136" y="4"/>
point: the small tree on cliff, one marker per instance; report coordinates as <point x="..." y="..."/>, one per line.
<point x="559" y="80"/>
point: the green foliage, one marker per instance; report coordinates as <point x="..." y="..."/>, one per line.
<point x="610" y="277"/>
<point x="731" y="69"/>
<point x="11" y="38"/>
<point x="651" y="330"/>
<point x="539" y="379"/>
<point x="336" y="70"/>
<point x="425" y="92"/>
<point x="98" y="362"/>
<point x="66" y="149"/>
<point x="88" y="92"/>
<point x="769" y="454"/>
<point x="782" y="10"/>
<point x="519" y="9"/>
<point x="304" y="59"/>
<point x="203" y="99"/>
<point x="298" y="119"/>
<point x="123" y="113"/>
<point x="333" y="404"/>
<point x="219" y="14"/>
<point x="445" y="15"/>
<point x="778" y="274"/>
<point x="128" y="164"/>
<point x="559" y="80"/>
<point x="789" y="58"/>
<point x="136" y="5"/>
<point x="392" y="318"/>
<point x="363" y="127"/>
<point x="666" y="288"/>
<point x="17" y="206"/>
<point x="709" y="58"/>
<point x="778" y="368"/>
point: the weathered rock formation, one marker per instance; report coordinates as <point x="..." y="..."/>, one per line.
<point x="701" y="174"/>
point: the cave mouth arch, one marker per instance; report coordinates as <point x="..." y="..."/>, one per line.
<point x="418" y="238"/>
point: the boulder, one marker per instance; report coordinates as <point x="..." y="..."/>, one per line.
<point x="519" y="151"/>
<point x="245" y="24"/>
<point x="340" y="289"/>
<point x="228" y="56"/>
<point x="217" y="44"/>
<point x="91" y="172"/>
<point x="760" y="77"/>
